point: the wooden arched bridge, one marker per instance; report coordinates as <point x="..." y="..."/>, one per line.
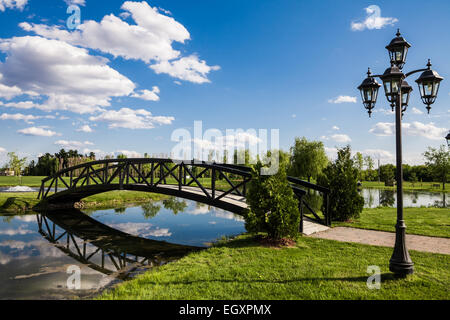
<point x="219" y="185"/>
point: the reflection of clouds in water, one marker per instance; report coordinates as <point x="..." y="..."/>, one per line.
<point x="14" y="232"/>
<point x="219" y="213"/>
<point x="27" y="219"/>
<point x="228" y="215"/>
<point x="199" y="210"/>
<point x="141" y="229"/>
<point x="158" y="233"/>
<point x="24" y="250"/>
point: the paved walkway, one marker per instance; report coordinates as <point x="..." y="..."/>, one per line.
<point x="385" y="239"/>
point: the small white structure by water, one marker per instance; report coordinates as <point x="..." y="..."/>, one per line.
<point x="19" y="189"/>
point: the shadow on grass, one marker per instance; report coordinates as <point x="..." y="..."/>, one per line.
<point x="16" y="203"/>
<point x="385" y="278"/>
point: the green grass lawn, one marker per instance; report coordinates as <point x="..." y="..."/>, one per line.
<point x="313" y="269"/>
<point x="22" y="181"/>
<point x="433" y="222"/>
<point x="418" y="186"/>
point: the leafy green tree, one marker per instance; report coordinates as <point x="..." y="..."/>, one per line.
<point x="15" y="163"/>
<point x="439" y="162"/>
<point x="359" y="164"/>
<point x="370" y="164"/>
<point x="387" y="173"/>
<point x="341" y="177"/>
<point x="273" y="207"/>
<point x="413" y="178"/>
<point x="308" y="159"/>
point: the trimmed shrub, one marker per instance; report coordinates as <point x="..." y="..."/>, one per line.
<point x="273" y="207"/>
<point x="341" y="177"/>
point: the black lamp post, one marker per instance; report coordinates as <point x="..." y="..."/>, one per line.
<point x="397" y="92"/>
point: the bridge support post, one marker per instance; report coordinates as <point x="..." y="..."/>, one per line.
<point x="180" y="176"/>
<point x="300" y="207"/>
<point x="327" y="209"/>
<point x="213" y="182"/>
<point x="121" y="177"/>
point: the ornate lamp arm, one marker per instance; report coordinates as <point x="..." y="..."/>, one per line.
<point x="415" y="71"/>
<point x="406" y="75"/>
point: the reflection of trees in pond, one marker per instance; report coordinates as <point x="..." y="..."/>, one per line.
<point x="441" y="204"/>
<point x="8" y="219"/>
<point x="120" y="210"/>
<point x="175" y="205"/>
<point x="150" y="210"/>
<point x="414" y="197"/>
<point x="369" y="199"/>
<point x="387" y="198"/>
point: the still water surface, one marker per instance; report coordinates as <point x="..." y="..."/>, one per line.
<point x="388" y="198"/>
<point x="34" y="266"/>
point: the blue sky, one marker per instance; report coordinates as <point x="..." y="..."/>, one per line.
<point x="134" y="72"/>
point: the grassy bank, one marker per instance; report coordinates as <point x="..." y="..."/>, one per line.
<point x="433" y="222"/>
<point x="313" y="269"/>
<point x="15" y="203"/>
<point x="22" y="181"/>
<point x="407" y="186"/>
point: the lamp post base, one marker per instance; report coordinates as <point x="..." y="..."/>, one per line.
<point x="401" y="263"/>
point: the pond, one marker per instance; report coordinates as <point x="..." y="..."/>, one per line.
<point x="388" y="198"/>
<point x="39" y="252"/>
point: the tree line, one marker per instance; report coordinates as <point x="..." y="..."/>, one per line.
<point x="305" y="159"/>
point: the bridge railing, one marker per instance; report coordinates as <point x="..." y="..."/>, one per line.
<point x="305" y="205"/>
<point x="216" y="181"/>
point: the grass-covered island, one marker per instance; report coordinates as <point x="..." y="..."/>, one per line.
<point x="17" y="203"/>
<point x="311" y="269"/>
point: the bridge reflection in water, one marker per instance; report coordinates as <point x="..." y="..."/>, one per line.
<point x="102" y="248"/>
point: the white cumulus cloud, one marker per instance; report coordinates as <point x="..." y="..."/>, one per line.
<point x="72" y="144"/>
<point x="150" y="40"/>
<point x="415" y="128"/>
<point x="69" y="77"/>
<point x="38" y="131"/>
<point x="12" y="4"/>
<point x="19" y="117"/>
<point x="373" y="20"/>
<point x="86" y="128"/>
<point x="131" y="119"/>
<point x="147" y="94"/>
<point x="187" y="68"/>
<point x="343" y="99"/>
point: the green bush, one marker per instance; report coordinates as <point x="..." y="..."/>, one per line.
<point x="341" y="177"/>
<point x="273" y="207"/>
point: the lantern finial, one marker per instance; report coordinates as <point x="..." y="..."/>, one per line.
<point x="398" y="33"/>
<point x="429" y="64"/>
